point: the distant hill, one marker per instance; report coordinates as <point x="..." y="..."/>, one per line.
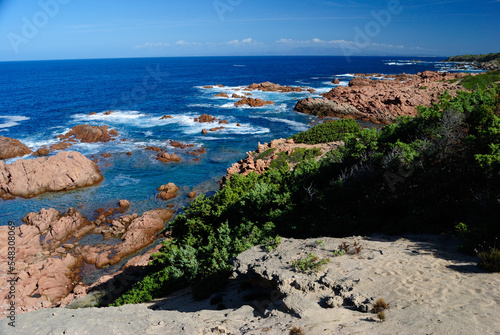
<point x="490" y="61"/>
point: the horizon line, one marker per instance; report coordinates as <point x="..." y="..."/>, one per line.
<point x="219" y="56"/>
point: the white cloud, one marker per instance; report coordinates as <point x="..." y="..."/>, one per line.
<point x="152" y="45"/>
<point x="285" y="41"/>
<point x="313" y="41"/>
<point x="185" y="43"/>
<point x="246" y="41"/>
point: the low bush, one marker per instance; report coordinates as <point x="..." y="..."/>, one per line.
<point x="490" y="259"/>
<point x="311" y="263"/>
<point x="328" y="132"/>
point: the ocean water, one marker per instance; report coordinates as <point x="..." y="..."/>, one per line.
<point x="42" y="99"/>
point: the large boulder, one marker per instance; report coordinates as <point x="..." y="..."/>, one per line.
<point x="323" y="107"/>
<point x="168" y="191"/>
<point x="10" y="148"/>
<point x="62" y="172"/>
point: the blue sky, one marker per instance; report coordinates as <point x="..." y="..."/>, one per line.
<point x="69" y="29"/>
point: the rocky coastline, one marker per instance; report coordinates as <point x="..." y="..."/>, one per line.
<point x="54" y="252"/>
<point x="51" y="254"/>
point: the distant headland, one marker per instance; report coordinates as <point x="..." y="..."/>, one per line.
<point x="487" y="62"/>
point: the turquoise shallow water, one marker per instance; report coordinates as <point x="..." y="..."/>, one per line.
<point x="40" y="100"/>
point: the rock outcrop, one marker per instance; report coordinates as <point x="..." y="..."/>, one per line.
<point x="381" y="100"/>
<point x="136" y="234"/>
<point x="10" y="148"/>
<point x="221" y="95"/>
<point x="90" y="134"/>
<point x="41" y="152"/>
<point x="62" y="172"/>
<point x="253" y="102"/>
<point x="271" y="87"/>
<point x="260" y="161"/>
<point x="205" y="118"/>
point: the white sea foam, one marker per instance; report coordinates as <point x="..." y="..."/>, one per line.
<point x="321" y="90"/>
<point x="341" y="83"/>
<point x="11" y="121"/>
<point x="116" y="116"/>
<point x="202" y="105"/>
<point x="36" y="143"/>
<point x="293" y="124"/>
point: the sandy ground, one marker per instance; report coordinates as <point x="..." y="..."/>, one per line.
<point x="431" y="289"/>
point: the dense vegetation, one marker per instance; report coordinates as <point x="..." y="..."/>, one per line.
<point x="328" y="132"/>
<point x="474" y="58"/>
<point x="481" y="81"/>
<point x="430" y="173"/>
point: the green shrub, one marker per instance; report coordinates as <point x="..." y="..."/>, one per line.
<point x="296" y="156"/>
<point x="328" y="132"/>
<point x="311" y="263"/>
<point x="272" y="243"/>
<point x="266" y="154"/>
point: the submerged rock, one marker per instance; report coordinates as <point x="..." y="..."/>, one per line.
<point x="167" y="158"/>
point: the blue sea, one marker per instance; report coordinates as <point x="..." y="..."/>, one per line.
<point x="43" y="99"/>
